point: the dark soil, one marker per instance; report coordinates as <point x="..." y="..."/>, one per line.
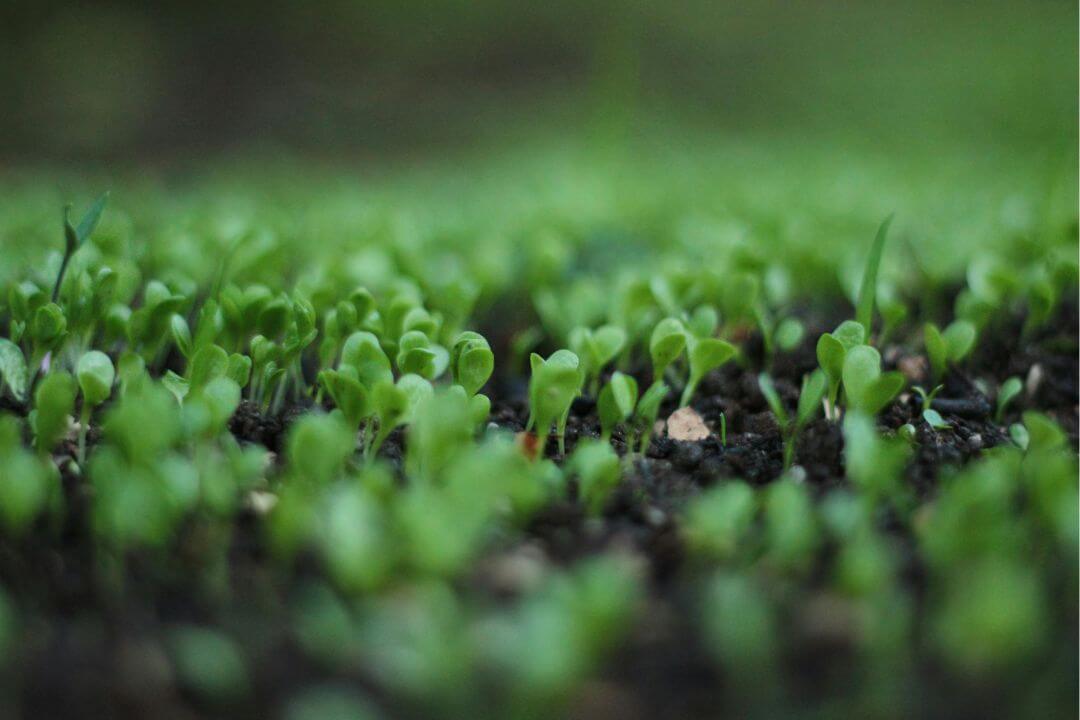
<point x="95" y="639"/>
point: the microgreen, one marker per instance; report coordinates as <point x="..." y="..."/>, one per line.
<point x="864" y="306"/>
<point x="832" y="348"/>
<point x="718" y="522"/>
<point x="666" y="344"/>
<point x="648" y="408"/>
<point x="597" y="468"/>
<point x="1009" y="391"/>
<point x="949" y="347"/>
<point x="596" y="349"/>
<point x="96" y="375"/>
<point x="810" y="397"/>
<point x="76" y="237"/>
<point x="705" y="354"/>
<point x="471" y="362"/>
<point x="54" y="401"/>
<point x="867" y="388"/>
<point x="791" y="532"/>
<point x="616" y="403"/>
<point x="554" y="384"/>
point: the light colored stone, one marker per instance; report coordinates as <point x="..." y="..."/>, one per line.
<point x="686" y="424"/>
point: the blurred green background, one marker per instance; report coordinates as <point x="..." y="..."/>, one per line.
<point x="134" y="82"/>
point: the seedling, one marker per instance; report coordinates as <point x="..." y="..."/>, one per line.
<point x="76" y="237"/>
<point x="868" y="389"/>
<point x="554" y="385"/>
<point x="719" y="521"/>
<point x="873" y="463"/>
<point x="864" y="306"/>
<point x="616" y="403"/>
<point x="666" y="344"/>
<point x="832" y="349"/>
<point x="96" y="375"/>
<point x="1010" y="390"/>
<point x="596" y="349"/>
<point x="810" y="397"/>
<point x="597" y="468"/>
<point x="471" y="362"/>
<point x="647" y="410"/>
<point x="926" y="400"/>
<point x="950" y="347"/>
<point x="54" y="400"/>
<point x="705" y="354"/>
<point x="791" y="532"/>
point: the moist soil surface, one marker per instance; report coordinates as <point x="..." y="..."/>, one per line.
<point x="94" y="655"/>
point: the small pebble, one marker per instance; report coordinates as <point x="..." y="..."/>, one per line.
<point x="1034" y="380"/>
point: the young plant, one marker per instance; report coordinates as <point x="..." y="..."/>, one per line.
<point x="596" y="349"/>
<point x="597" y="468"/>
<point x="647" y="410"/>
<point x="54" y="401"/>
<point x="96" y="375"/>
<point x="791" y="529"/>
<point x="471" y="362"/>
<point x="471" y="365"/>
<point x="874" y="463"/>
<point x="616" y="403"/>
<point x="949" y="347"/>
<point x="810" y="397"/>
<point x="705" y="354"/>
<point x="666" y="344"/>
<point x="718" y="522"/>
<point x="554" y="384"/>
<point x="832" y="349"/>
<point x="866" y="388"/>
<point x="1010" y="390"/>
<point x="76" y="237"/>
<point x="932" y="417"/>
<point x="864" y="306"/>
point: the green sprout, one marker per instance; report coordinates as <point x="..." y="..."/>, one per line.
<point x="616" y="403"/>
<point x="54" y="401"/>
<point x="832" y="349"/>
<point x="718" y="522"/>
<point x="810" y="397"/>
<point x="666" y="344"/>
<point x="76" y="237"/>
<point x="647" y="410"/>
<point x="554" y="384"/>
<point x="864" y="305"/>
<point x="96" y="375"/>
<point x="949" y="347"/>
<point x="597" y="468"/>
<point x="596" y="349"/>
<point x="1009" y="391"/>
<point x="867" y="388"/>
<point x="705" y="354"/>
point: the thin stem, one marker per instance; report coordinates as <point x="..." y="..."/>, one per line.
<point x="60" y="275"/>
<point x="84" y="424"/>
<point x="687" y="393"/>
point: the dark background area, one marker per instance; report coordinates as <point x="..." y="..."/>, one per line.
<point x="142" y="81"/>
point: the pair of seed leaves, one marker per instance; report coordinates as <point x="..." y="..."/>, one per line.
<point x="618" y="401"/>
<point x="670" y="337"/>
<point x="845" y="359"/>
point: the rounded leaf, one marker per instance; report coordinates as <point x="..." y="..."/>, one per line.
<point x="96" y="375"/>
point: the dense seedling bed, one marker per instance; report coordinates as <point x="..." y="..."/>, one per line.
<point x="341" y="457"/>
